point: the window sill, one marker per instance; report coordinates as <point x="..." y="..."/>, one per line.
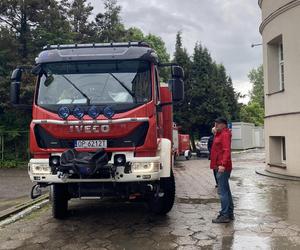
<point x="277" y="165"/>
<point x="276" y="92"/>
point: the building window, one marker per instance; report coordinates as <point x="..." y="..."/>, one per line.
<point x="277" y="151"/>
<point x="281" y="67"/>
<point x="275" y="55"/>
<point x="283" y="150"/>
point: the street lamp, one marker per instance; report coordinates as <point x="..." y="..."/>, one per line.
<point x="255" y="45"/>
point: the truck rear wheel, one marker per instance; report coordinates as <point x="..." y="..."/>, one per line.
<point x="59" y="198"/>
<point x="163" y="205"/>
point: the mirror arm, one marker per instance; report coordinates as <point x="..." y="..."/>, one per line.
<point x="162" y="65"/>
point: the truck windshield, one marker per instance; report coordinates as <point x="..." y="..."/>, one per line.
<point x="99" y="82"/>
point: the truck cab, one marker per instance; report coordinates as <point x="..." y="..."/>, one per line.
<point x="102" y="124"/>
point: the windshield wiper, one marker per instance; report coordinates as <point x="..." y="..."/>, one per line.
<point x="83" y="94"/>
<point x="123" y="85"/>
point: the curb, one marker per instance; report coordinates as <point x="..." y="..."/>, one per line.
<point x="266" y="173"/>
<point x="18" y="208"/>
<point x="23" y="213"/>
<point x="245" y="151"/>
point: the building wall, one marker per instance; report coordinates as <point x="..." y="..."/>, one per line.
<point x="246" y="136"/>
<point x="280" y="25"/>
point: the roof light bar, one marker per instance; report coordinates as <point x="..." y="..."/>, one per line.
<point x="96" y="45"/>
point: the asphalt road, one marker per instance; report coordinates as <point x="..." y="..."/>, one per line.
<point x="15" y="187"/>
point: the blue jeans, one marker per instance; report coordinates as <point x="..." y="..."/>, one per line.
<point x="225" y="194"/>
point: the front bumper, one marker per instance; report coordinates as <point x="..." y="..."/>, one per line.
<point x="40" y="171"/>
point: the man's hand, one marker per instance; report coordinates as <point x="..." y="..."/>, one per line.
<point x="221" y="169"/>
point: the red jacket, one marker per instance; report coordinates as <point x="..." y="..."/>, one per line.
<point x="221" y="150"/>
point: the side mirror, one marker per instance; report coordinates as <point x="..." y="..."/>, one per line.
<point x="16" y="77"/>
<point x="177" y="87"/>
<point x="177" y="72"/>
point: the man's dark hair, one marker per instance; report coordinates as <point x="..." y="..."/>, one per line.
<point x="221" y="120"/>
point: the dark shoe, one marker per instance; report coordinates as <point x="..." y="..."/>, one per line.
<point x="221" y="219"/>
<point x="231" y="217"/>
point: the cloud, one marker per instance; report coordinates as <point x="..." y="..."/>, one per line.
<point x="227" y="28"/>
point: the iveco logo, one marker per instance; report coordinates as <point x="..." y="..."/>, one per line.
<point x="89" y="128"/>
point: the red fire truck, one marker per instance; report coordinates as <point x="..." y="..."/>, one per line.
<point x="181" y="143"/>
<point x="102" y="124"/>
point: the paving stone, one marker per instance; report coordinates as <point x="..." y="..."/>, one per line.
<point x="11" y="244"/>
<point x="129" y="226"/>
<point x="187" y="240"/>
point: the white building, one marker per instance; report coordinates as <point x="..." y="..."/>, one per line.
<point x="281" y="52"/>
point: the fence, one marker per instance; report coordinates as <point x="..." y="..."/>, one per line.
<point x="14" y="146"/>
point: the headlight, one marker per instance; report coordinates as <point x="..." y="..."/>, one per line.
<point x="40" y="169"/>
<point x="145" y="167"/>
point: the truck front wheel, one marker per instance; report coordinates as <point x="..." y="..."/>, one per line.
<point x="163" y="205"/>
<point x="59" y="199"/>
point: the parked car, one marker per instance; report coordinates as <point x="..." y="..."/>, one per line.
<point x="201" y="147"/>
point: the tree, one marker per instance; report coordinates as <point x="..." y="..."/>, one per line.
<point x="209" y="92"/>
<point x="20" y="17"/>
<point x="182" y="110"/>
<point x="109" y="27"/>
<point x="53" y="27"/>
<point x="252" y="113"/>
<point x="79" y="13"/>
<point x="256" y="77"/>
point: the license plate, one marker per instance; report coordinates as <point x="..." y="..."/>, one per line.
<point x="90" y="144"/>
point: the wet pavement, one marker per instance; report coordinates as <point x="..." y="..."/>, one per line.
<point x="15" y="187"/>
<point x="266" y="209"/>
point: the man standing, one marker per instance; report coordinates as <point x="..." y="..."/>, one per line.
<point x="221" y="161"/>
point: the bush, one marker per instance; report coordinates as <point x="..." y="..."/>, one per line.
<point x="13" y="164"/>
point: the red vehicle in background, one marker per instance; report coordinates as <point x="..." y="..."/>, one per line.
<point x="102" y="124"/>
<point x="181" y="143"/>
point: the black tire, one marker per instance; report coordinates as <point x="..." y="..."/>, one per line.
<point x="163" y="205"/>
<point x="59" y="199"/>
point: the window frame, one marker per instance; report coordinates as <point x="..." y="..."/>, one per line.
<point x="281" y="66"/>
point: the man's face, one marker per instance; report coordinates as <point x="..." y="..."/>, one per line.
<point x="219" y="126"/>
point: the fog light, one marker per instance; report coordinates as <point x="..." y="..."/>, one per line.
<point x="54" y="161"/>
<point x="119" y="160"/>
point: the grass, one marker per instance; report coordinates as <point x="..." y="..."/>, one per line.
<point x="13" y="164"/>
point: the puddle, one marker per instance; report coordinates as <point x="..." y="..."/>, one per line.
<point x="197" y="201"/>
<point x="238" y="242"/>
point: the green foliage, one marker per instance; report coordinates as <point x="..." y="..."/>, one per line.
<point x="256" y="77"/>
<point x="13" y="164"/>
<point x="252" y="113"/>
<point x="208" y="91"/>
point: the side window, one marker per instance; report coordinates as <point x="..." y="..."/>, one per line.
<point x="157" y="85"/>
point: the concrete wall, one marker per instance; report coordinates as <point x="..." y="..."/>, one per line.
<point x="281" y="18"/>
<point x="243" y="136"/>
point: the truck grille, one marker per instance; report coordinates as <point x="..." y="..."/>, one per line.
<point x="135" y="139"/>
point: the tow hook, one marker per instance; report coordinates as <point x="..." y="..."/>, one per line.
<point x="36" y="191"/>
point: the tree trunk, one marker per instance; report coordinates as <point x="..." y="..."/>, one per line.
<point x="23" y="32"/>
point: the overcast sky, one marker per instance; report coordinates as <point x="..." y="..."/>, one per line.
<point x="226" y="27"/>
